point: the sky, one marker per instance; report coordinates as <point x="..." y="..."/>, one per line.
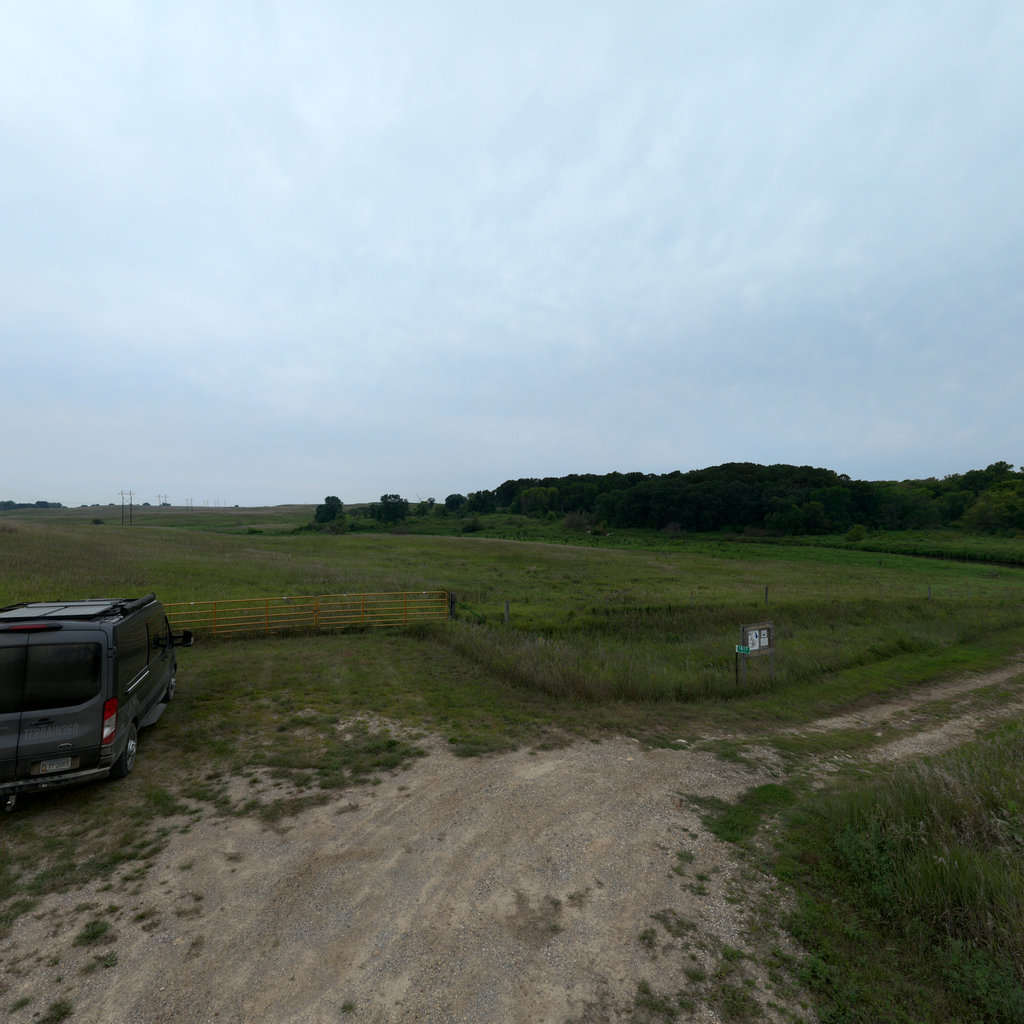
<point x="261" y="252"/>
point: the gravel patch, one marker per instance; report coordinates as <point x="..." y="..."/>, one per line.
<point x="509" y="888"/>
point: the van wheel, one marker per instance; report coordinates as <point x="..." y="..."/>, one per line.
<point x="126" y="762"/>
<point x="169" y="695"/>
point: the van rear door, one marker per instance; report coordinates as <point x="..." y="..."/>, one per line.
<point x="62" y="703"/>
<point x="12" y="681"/>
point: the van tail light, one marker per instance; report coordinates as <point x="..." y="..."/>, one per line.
<point x="109" y="721"/>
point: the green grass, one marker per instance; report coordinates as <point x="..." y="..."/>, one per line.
<point x="56" y="1012"/>
<point x="917" y="879"/>
<point x="94" y="931"/>
<point x="737" y="822"/>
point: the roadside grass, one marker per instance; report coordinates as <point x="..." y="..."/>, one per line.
<point x="911" y="888"/>
<point x="727" y="986"/>
<point x="738" y="822"/>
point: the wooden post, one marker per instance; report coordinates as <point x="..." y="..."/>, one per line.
<point x="506" y="613"/>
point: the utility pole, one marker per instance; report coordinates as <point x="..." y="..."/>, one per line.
<point x="129" y="495"/>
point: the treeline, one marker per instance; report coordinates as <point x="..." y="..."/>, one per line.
<point x="6" y="506"/>
<point x="744" y="496"/>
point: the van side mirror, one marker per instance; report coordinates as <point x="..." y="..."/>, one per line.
<point x="182" y="639"/>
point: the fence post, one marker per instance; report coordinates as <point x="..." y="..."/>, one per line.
<point x="451" y="605"/>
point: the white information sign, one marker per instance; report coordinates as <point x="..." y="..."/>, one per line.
<point x="759" y="637"/>
<point x="755" y="638"/>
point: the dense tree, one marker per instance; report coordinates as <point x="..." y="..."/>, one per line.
<point x="393" y="508"/>
<point x="1000" y="509"/>
<point x="746" y="496"/>
<point x="329" y="511"/>
<point x="778" y="498"/>
<point x="481" y="502"/>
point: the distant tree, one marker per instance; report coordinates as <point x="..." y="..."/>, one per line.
<point x="481" y="502"/>
<point x="537" y="499"/>
<point x="455" y="503"/>
<point x="393" y="508"/>
<point x="331" y="510"/>
<point x="978" y="480"/>
<point x="784" y="517"/>
<point x="506" y="493"/>
<point x="999" y="510"/>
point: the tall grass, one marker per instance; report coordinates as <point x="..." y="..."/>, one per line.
<point x="827" y="653"/>
<point x="926" y="865"/>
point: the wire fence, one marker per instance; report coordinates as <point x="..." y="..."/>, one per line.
<point x="267" y="615"/>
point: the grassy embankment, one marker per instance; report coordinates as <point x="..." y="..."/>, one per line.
<point x="603" y="636"/>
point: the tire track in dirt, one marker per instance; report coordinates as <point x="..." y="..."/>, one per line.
<point x="929" y="731"/>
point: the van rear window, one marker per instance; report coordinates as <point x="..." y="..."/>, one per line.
<point x="43" y="676"/>
<point x="12" y="678"/>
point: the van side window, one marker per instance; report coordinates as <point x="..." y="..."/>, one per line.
<point x="159" y="634"/>
<point x="12" y="678"/>
<point x="132" y="651"/>
<point x="61" y="675"/>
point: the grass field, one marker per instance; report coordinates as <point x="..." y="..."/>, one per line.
<point x="604" y="635"/>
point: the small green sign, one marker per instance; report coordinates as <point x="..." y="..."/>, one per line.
<point x="740" y="649"/>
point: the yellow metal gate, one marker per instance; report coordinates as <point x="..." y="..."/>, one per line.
<point x="266" y="615"/>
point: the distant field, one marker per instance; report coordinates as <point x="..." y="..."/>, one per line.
<point x="653" y="623"/>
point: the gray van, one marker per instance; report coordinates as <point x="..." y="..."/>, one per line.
<point x="78" y="680"/>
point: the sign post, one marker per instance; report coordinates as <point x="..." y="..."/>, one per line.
<point x="755" y="639"/>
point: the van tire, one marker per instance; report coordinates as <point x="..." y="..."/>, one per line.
<point x="126" y="762"/>
<point x="171" y="683"/>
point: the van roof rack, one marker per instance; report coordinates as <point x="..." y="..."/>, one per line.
<point x="93" y="608"/>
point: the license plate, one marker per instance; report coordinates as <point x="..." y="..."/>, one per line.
<point x="58" y="764"/>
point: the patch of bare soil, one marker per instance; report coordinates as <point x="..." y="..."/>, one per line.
<point x="575" y="885"/>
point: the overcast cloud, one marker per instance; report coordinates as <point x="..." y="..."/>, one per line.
<point x="257" y="253"/>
